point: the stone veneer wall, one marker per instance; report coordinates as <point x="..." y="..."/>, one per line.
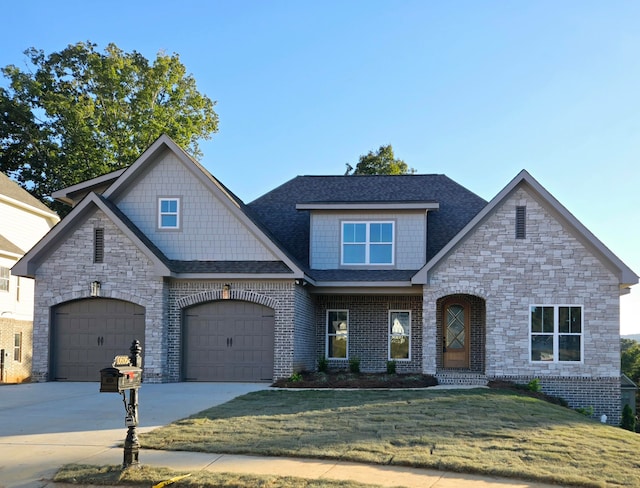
<point x="550" y="266"/>
<point x="278" y="295"/>
<point x="16" y="371"/>
<point x="369" y="330"/>
<point x="126" y="274"/>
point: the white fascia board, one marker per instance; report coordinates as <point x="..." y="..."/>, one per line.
<point x="369" y="206"/>
<point x="50" y="215"/>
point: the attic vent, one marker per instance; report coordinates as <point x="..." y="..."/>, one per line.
<point x="521" y="221"/>
<point x="98" y="245"/>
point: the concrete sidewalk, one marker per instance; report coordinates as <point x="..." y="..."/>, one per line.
<point x="46" y="425"/>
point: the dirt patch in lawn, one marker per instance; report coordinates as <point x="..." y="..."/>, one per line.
<point x="342" y="379"/>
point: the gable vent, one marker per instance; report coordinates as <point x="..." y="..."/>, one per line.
<point x="521" y="221"/>
<point x="98" y="245"/>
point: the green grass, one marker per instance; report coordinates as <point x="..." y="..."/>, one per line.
<point x="480" y="431"/>
<point x="149" y="476"/>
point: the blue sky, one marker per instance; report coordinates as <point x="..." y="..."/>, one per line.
<point x="474" y="90"/>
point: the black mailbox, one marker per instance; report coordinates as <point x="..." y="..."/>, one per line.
<point x="119" y="378"/>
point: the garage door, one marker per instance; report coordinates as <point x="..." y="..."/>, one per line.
<point x="228" y="341"/>
<point x="87" y="334"/>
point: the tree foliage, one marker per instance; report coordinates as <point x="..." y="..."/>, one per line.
<point x="382" y="162"/>
<point x="630" y="359"/>
<point x="80" y="113"/>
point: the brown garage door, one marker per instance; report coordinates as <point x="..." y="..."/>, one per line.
<point x="87" y="334"/>
<point x="228" y="341"/>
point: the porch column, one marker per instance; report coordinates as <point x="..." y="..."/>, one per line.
<point x="429" y="333"/>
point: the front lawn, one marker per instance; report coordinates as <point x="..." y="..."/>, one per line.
<point x="482" y="431"/>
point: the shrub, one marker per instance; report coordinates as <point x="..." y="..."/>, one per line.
<point x="391" y="367"/>
<point x="323" y="364"/>
<point x="534" y="385"/>
<point x="586" y="411"/>
<point x="295" y="377"/>
<point x="628" y="419"/>
<point x="354" y="365"/>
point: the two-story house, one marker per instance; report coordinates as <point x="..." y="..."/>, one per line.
<point x="23" y="222"/>
<point x="414" y="269"/>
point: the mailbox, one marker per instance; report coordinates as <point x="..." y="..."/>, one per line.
<point x="116" y="379"/>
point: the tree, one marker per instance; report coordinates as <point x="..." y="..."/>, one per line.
<point x="80" y="113"/>
<point x="382" y="162"/>
<point x="630" y="359"/>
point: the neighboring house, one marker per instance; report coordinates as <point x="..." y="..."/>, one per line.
<point x="23" y="222"/>
<point x="412" y="268"/>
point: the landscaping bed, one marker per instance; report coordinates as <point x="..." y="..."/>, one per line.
<point x="345" y="379"/>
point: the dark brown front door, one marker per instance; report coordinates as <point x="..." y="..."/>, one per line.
<point x="455" y="334"/>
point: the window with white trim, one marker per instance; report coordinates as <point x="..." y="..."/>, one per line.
<point x="556" y="333"/>
<point x="399" y="335"/>
<point x="337" y="334"/>
<point x="5" y="276"/>
<point x="168" y="213"/>
<point x="17" y="347"/>
<point x="367" y="243"/>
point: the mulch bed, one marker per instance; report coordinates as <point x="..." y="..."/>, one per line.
<point x="342" y="379"/>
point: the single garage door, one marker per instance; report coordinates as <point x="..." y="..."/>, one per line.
<point x="228" y="341"/>
<point x="87" y="334"/>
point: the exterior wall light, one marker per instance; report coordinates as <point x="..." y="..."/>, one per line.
<point x="226" y="291"/>
<point x="95" y="288"/>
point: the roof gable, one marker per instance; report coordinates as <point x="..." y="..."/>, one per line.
<point x="272" y="261"/>
<point x="13" y="193"/>
<point x="292" y="201"/>
<point x="625" y="275"/>
<point x="30" y="261"/>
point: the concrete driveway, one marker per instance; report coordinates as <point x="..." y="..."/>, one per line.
<point x="46" y="425"/>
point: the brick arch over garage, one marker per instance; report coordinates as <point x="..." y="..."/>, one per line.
<point x="115" y="294"/>
<point x="214" y="295"/>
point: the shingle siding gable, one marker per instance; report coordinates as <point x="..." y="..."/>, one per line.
<point x="209" y="230"/>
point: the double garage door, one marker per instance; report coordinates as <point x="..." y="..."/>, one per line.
<point x="228" y="341"/>
<point x="87" y="334"/>
<point x="222" y="341"/>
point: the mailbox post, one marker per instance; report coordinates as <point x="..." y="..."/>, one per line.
<point x="126" y="374"/>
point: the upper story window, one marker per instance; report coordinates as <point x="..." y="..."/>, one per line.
<point x="367" y="243"/>
<point x="556" y="333"/>
<point x="168" y="213"/>
<point x="5" y="275"/>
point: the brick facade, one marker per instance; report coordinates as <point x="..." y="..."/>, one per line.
<point x="15" y="371"/>
<point x="369" y="330"/>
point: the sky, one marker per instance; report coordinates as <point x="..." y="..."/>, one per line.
<point x="474" y="90"/>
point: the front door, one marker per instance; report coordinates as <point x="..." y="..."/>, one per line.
<point x="455" y="335"/>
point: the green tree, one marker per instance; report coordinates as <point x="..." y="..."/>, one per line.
<point x="80" y="113"/>
<point x="630" y="359"/>
<point x="382" y="162"/>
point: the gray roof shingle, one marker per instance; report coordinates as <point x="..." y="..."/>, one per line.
<point x="277" y="208"/>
